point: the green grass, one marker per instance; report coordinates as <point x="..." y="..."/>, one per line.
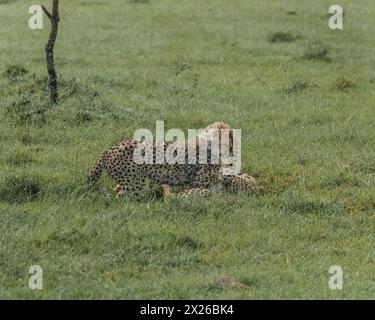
<point x="306" y="110"/>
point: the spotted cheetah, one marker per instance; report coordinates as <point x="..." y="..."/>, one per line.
<point x="131" y="177"/>
<point x="228" y="184"/>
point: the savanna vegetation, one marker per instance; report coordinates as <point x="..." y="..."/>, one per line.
<point x="302" y="94"/>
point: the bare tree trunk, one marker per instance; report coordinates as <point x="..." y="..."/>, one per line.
<point x="55" y="19"/>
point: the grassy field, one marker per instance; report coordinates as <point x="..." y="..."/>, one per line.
<point x="302" y="94"/>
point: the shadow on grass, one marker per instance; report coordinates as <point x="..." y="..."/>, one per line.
<point x="18" y="189"/>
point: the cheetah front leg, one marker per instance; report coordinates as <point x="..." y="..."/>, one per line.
<point x="128" y="189"/>
<point x="120" y="191"/>
<point x="128" y="183"/>
<point x="117" y="188"/>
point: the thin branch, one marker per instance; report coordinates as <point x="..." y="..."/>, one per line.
<point x="46" y="12"/>
<point x="55" y="10"/>
<point x="55" y="18"/>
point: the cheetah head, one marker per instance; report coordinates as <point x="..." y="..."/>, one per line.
<point x="223" y="134"/>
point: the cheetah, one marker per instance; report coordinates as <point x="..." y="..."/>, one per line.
<point x="131" y="177"/>
<point x="228" y="184"/>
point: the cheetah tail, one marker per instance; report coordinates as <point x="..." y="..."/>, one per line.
<point x="97" y="170"/>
